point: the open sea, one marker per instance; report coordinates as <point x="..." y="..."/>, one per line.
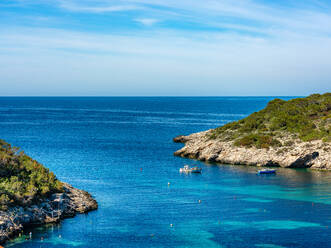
<point x="120" y="150"/>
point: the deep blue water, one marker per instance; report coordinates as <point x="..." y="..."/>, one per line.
<point x="121" y="151"/>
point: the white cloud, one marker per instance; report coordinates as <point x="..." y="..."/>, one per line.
<point x="62" y="62"/>
<point x="100" y="8"/>
<point x="147" y="21"/>
<point x="311" y="17"/>
<point x="263" y="50"/>
<point x="243" y="15"/>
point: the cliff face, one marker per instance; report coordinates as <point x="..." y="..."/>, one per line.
<point x="58" y="206"/>
<point x="313" y="154"/>
<point x="294" y="134"/>
<point x="30" y="194"/>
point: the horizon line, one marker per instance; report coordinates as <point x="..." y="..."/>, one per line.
<point x="87" y="96"/>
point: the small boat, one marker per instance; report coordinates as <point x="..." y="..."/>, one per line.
<point x="266" y="171"/>
<point x="187" y="169"/>
<point x="196" y="169"/>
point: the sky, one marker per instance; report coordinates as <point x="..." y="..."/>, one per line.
<point x="165" y="47"/>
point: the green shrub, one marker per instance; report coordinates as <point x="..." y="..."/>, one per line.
<point x="257" y="140"/>
<point x="23" y="178"/>
<point x="306" y="118"/>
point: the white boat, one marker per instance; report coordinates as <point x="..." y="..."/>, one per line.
<point x="187" y="169"/>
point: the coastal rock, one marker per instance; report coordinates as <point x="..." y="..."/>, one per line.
<point x="314" y="154"/>
<point x="180" y="139"/>
<point x="53" y="209"/>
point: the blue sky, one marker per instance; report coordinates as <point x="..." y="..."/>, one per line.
<point x="165" y="47"/>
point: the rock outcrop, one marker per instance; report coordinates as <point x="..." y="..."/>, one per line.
<point x="313" y="154"/>
<point x="53" y="209"/>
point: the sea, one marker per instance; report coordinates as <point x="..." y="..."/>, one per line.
<point x="120" y="149"/>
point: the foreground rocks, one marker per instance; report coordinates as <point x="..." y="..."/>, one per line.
<point x="313" y="154"/>
<point x="57" y="207"/>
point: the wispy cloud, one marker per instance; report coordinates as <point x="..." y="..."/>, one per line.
<point x="262" y="17"/>
<point x="147" y="21"/>
<point x="223" y="45"/>
<point x="51" y="61"/>
<point x="100" y="8"/>
<point x="243" y="15"/>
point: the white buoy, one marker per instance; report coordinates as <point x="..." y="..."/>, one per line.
<point x="168" y="183"/>
<point x="171" y="225"/>
<point x="199" y="201"/>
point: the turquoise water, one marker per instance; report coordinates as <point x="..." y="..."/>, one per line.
<point x="121" y="151"/>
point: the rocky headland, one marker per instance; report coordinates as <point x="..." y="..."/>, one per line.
<point x="31" y="195"/>
<point x="292" y="134"/>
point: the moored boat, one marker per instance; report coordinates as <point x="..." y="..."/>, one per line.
<point x="187" y="169"/>
<point x="266" y="171"/>
<point x="196" y="169"/>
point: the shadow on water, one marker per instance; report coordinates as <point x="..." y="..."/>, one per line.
<point x="291" y="184"/>
<point x="295" y="177"/>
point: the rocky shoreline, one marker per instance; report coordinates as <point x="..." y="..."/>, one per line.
<point x="58" y="206"/>
<point x="295" y="154"/>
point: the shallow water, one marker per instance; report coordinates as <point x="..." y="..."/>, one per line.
<point x="121" y="151"/>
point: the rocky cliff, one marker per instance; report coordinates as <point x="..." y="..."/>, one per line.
<point x="30" y="194"/>
<point x="314" y="154"/>
<point x="58" y="206"/>
<point x="293" y="134"/>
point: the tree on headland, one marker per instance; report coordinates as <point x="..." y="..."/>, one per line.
<point x="23" y="181"/>
<point x="306" y="119"/>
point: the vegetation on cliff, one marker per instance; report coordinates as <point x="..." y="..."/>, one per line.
<point x="23" y="180"/>
<point x="281" y="122"/>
